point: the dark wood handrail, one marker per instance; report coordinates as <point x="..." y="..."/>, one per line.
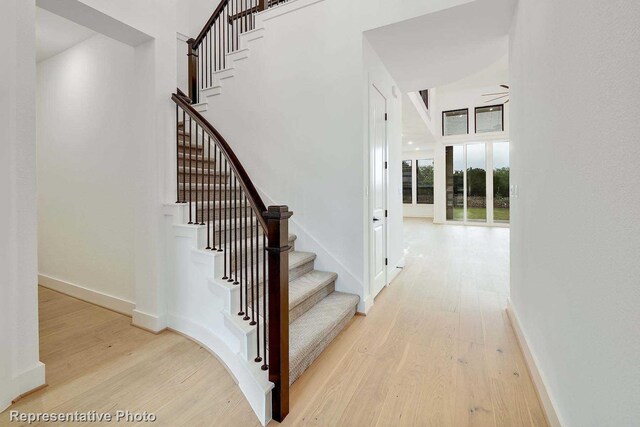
<point x="216" y="13"/>
<point x="247" y="185"/>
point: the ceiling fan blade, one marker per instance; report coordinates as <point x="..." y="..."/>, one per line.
<point x="491" y="100"/>
<point x="497" y="93"/>
<point x="505" y="86"/>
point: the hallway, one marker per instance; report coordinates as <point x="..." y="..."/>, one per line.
<point x="436" y="348"/>
<point x="96" y="361"/>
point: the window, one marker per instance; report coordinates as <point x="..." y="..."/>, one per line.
<point x="455" y="182"/>
<point x="501" y="182"/>
<point x="424" y="94"/>
<point x="490" y="119"/>
<point x="406" y="182"/>
<point x="424" y="181"/>
<point x="455" y="122"/>
<point x="476" y="183"/>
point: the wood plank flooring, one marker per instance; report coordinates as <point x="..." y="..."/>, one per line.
<point x="436" y="349"/>
<point x="96" y="361"/>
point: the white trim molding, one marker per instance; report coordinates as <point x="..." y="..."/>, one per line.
<point x="534" y="372"/>
<point x="110" y="302"/>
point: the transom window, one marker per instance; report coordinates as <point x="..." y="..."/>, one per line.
<point x="455" y="122"/>
<point x="490" y="118"/>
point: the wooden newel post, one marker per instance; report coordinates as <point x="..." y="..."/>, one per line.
<point x="277" y="218"/>
<point x="193" y="71"/>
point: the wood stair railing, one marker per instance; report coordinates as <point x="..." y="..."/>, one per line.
<point x="220" y="35"/>
<point x="253" y="239"/>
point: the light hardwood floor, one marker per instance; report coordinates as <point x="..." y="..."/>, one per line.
<point x="436" y="349"/>
<point x="96" y="361"/>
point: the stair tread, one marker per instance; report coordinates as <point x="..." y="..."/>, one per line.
<point x="307" y="331"/>
<point x="298" y="258"/>
<point x="308" y="284"/>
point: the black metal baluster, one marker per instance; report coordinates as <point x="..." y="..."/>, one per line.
<point x="208" y="147"/>
<point x="246" y="281"/>
<point x="178" y="154"/>
<point x="252" y="282"/>
<point x="265" y="365"/>
<point x="239" y="271"/>
<point x="190" y="167"/>
<point x="220" y="180"/>
<point x="236" y="24"/>
<point x="215" y="188"/>
<point x="184" y="158"/>
<point x="256" y="284"/>
<point x="197" y="184"/>
<point x="235" y="230"/>
<point x="227" y="257"/>
<point x="225" y="32"/>
<point x="220" y="53"/>
<point x="211" y="56"/>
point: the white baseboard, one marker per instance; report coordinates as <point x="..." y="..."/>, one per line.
<point x="365" y="305"/>
<point x="148" y="321"/>
<point x="530" y="360"/>
<point x="89" y="295"/>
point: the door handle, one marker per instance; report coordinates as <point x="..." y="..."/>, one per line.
<point x="376" y="219"/>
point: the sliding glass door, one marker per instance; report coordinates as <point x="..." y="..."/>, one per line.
<point x="477" y="182"/>
<point x="455" y="182"/>
<point x="476" y="188"/>
<point x="501" y="170"/>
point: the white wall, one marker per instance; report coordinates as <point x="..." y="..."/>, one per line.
<point x="87" y="167"/>
<point x="575" y="275"/>
<point x="415" y="210"/>
<point x="20" y="369"/>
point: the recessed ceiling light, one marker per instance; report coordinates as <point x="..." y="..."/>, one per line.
<point x="410" y="142"/>
<point x="417" y="148"/>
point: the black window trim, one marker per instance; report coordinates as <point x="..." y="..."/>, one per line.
<point x="453" y="111"/>
<point x="475" y="116"/>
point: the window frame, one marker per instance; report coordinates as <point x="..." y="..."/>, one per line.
<point x="410" y="182"/>
<point x="466" y="110"/>
<point x="475" y="117"/>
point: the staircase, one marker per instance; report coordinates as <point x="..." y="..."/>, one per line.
<point x="224" y="208"/>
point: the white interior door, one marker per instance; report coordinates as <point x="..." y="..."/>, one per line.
<point x="378" y="189"/>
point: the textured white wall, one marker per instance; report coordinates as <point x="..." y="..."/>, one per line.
<point x="575" y="280"/>
<point x="87" y="167"/>
<point x="20" y="369"/>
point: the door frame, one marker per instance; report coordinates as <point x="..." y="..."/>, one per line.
<point x="370" y="185"/>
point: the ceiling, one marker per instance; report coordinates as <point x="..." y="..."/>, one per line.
<point x="444" y="46"/>
<point x="469" y="90"/>
<point x="55" y="34"/>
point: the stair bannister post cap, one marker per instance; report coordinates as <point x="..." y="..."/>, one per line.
<point x="278" y="212"/>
